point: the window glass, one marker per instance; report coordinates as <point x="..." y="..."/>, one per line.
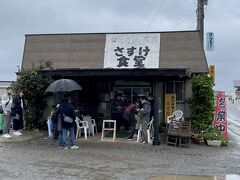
<point x="176" y="87"/>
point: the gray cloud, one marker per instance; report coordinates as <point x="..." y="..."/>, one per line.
<point x="20" y="17"/>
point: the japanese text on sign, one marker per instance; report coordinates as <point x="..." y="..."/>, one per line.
<point x="139" y="59"/>
<point x="132" y="50"/>
<point x="212" y="72"/>
<point x="220" y="120"/>
<point x="210" y="41"/>
<point x="170" y="105"/>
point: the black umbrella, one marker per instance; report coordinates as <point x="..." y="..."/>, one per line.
<point x="63" y="85"/>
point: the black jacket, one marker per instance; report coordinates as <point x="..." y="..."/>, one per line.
<point x="16" y="106"/>
<point x="68" y="110"/>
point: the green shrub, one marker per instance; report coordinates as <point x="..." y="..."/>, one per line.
<point x="33" y="84"/>
<point x="202" y="102"/>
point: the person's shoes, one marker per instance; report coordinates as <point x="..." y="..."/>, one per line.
<point x="144" y="142"/>
<point x="6" y="136"/>
<point x="129" y="139"/>
<point x="17" y="133"/>
<point x="74" y="147"/>
<point x="66" y="147"/>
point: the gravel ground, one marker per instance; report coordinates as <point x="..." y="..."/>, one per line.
<point x="39" y="158"/>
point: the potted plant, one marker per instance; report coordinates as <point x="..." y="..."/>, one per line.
<point x="212" y="136"/>
<point x="197" y="138"/>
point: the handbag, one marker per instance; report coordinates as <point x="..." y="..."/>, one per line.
<point x="17" y="117"/>
<point x="67" y="119"/>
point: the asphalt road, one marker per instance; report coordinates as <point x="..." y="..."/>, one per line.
<point x="233" y="116"/>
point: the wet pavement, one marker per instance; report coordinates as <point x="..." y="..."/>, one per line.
<point x="180" y="177"/>
<point x="39" y="158"/>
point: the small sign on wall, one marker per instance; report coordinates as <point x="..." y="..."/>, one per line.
<point x="170" y="105"/>
<point x="212" y="72"/>
<point x="210" y="41"/>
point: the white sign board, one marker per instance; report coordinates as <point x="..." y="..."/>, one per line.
<point x="132" y="50"/>
<point x="210" y="41"/>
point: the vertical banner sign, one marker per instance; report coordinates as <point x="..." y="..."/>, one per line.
<point x="139" y="50"/>
<point x="220" y="118"/>
<point x="212" y="72"/>
<point x="210" y="41"/>
<point x="170" y="105"/>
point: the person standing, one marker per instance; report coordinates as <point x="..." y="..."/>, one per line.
<point x="116" y="110"/>
<point x="6" y="105"/>
<point x="150" y="98"/>
<point x="57" y="121"/>
<point x="144" y="115"/>
<point x="130" y="114"/>
<point x="17" y="112"/>
<point x="67" y="110"/>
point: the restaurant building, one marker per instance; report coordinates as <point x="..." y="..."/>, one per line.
<point x="161" y="63"/>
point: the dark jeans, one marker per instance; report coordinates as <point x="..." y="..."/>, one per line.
<point x="18" y="124"/>
<point x="118" y="118"/>
<point x="60" y="139"/>
<point x="133" y="131"/>
<point x="71" y="135"/>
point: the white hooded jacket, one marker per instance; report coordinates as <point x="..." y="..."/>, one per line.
<point x="7" y="102"/>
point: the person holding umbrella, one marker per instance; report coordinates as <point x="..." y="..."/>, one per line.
<point x="67" y="114"/>
<point x="65" y="111"/>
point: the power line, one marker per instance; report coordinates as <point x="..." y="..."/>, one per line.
<point x="184" y="20"/>
<point x="195" y="2"/>
<point x="155" y="15"/>
<point x="209" y="4"/>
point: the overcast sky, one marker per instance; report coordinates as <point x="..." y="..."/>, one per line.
<point x="20" y="17"/>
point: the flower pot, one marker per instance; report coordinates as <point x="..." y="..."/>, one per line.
<point x="197" y="139"/>
<point x="214" y="143"/>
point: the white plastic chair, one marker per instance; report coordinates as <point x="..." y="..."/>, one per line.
<point x="94" y="126"/>
<point x="90" y="124"/>
<point x="177" y="115"/>
<point x="149" y="131"/>
<point x="82" y="125"/>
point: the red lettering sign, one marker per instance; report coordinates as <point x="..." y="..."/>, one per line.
<point x="220" y="118"/>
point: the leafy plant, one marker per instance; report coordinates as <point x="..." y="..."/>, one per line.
<point x="211" y="133"/>
<point x="224" y="142"/>
<point x="33" y="84"/>
<point x="202" y="102"/>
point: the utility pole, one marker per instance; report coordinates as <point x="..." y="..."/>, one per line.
<point x="200" y="17"/>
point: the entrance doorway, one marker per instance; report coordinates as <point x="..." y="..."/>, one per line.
<point x="131" y="93"/>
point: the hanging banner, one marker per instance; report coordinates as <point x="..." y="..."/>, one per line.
<point x="139" y="50"/>
<point x="210" y="41"/>
<point x="170" y="105"/>
<point x="220" y="118"/>
<point x="212" y="73"/>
